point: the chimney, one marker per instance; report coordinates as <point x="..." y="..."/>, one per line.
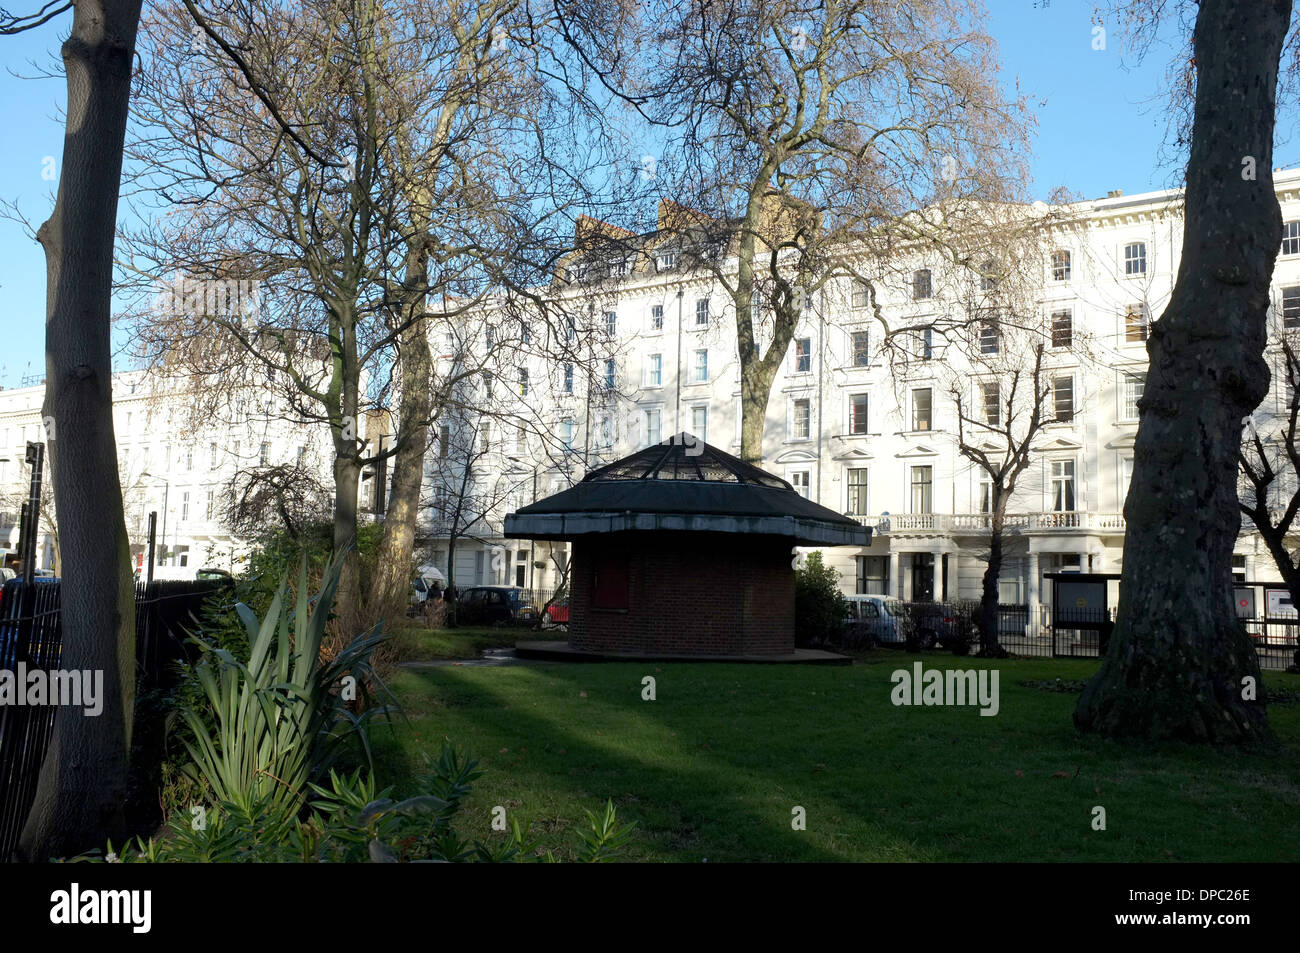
<point x="1114" y="193"/>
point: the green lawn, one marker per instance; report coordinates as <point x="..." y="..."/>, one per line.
<point x="714" y="766"/>
<point x="418" y="643"/>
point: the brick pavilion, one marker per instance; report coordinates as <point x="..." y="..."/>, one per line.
<point x="681" y="549"/>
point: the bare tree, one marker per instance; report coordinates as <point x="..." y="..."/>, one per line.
<point x="1187" y="672"/>
<point x="807" y="139"/>
<point x="83" y="778"/>
<point x="1270" y="467"/>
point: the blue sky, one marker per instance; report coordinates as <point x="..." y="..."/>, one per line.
<point x="1100" y="127"/>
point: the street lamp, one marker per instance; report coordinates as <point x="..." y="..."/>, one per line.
<point x="166" y="492"/>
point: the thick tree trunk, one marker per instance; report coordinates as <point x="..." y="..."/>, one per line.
<point x="83" y="781"/>
<point x="1178" y="657"/>
<point x="391" y="579"/>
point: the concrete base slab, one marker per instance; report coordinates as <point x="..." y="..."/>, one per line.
<point x="563" y="652"/>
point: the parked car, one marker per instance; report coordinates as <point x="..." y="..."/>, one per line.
<point x="495" y="605"/>
<point x="869" y="622"/>
<point x="927" y="624"/>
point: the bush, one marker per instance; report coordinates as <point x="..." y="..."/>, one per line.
<point x="819" y="609"/>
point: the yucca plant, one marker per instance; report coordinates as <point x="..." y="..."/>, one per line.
<point x="276" y="721"/>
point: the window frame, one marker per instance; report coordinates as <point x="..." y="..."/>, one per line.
<point x="1130" y="271"/>
<point x="1061" y="272"/>
<point x="859" y="427"/>
<point x="915" y="418"/>
<point x="1057" y="417"/>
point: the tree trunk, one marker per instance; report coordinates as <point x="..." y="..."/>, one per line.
<point x="347" y="478"/>
<point x="990" y="645"/>
<point x="1276" y="543"/>
<point x="83" y="780"/>
<point x="1178" y="657"/>
<point x="452" y="595"/>
<point x="391" y="578"/>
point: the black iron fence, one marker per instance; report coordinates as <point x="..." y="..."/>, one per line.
<point x="31" y="637"/>
<point x="1069" y="632"/>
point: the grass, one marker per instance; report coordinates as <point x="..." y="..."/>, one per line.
<point x="713" y="768"/>
<point x="418" y="643"/>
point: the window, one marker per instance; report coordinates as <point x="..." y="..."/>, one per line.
<point x="802" y="419"/>
<point x="1133" y="386"/>
<point x="1291" y="307"/>
<point x="611" y="322"/>
<point x="702" y="312"/>
<point x="1062" y="328"/>
<point x="607" y="431"/>
<point x="666" y="261"/>
<point x="653" y="427"/>
<point x="1063" y="486"/>
<point x="491" y="337"/>
<point x="799" y="480"/>
<point x="1125" y="478"/>
<point x="618" y="268"/>
<point x="525" y="334"/>
<point x="656" y="317"/>
<point x="521" y="441"/>
<point x="700" y="370"/>
<point x="566" y="433"/>
<point x="571" y="329"/>
<point x="988" y="336"/>
<point x="487" y="435"/>
<point x="922" y="286"/>
<point x="611" y="374"/>
<point x="1063" y="398"/>
<point x="264" y="455"/>
<point x="654" y="376"/>
<point x="185" y="507"/>
<point x="1291" y="238"/>
<point x="858" y="414"/>
<point x="212" y="450"/>
<point x="756" y="306"/>
<point x="860" y="296"/>
<point x="700" y="422"/>
<point x="988" y="276"/>
<point x="923" y="343"/>
<point x="487" y="384"/>
<point x="301" y="458"/>
<point x="1060" y="265"/>
<point x="873" y="575"/>
<point x="1135" y="324"/>
<point x="991" y="394"/>
<point x="986" y="493"/>
<point x="189" y="458"/>
<point x="207" y="506"/>
<point x="568" y="378"/>
<point x="921" y="406"/>
<point x="856" y="480"/>
<point x="802" y="355"/>
<point x="523" y="382"/>
<point x="1135" y="258"/>
<point x="444" y="440"/>
<point x="922" y="489"/>
<point x="861" y="348"/>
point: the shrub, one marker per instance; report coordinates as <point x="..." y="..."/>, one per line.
<point x="269" y="724"/>
<point x="819" y="609"/>
<point x="350" y="821"/>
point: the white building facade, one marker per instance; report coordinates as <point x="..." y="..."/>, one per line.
<point x="845" y="425"/>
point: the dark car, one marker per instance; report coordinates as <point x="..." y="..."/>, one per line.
<point x="495" y="605"/>
<point x="927" y="624"/>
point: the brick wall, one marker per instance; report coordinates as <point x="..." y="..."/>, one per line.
<point x="688" y="594"/>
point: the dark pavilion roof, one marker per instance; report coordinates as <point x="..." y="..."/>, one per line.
<point x="684" y="484"/>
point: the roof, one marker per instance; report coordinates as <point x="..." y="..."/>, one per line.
<point x="687" y="485"/>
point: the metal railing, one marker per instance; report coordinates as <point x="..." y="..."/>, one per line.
<point x="31" y="633"/>
<point x="983" y="522"/>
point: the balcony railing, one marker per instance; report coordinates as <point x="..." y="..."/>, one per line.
<point x="950" y="523"/>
